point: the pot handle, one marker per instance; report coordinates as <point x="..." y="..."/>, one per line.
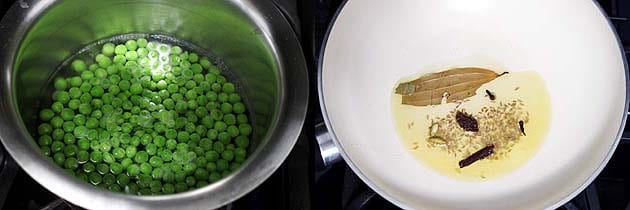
<point x="327" y="148"/>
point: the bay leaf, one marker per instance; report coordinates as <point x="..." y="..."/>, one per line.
<point x="457" y="83"/>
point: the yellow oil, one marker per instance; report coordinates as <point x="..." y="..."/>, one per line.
<point x="412" y="124"/>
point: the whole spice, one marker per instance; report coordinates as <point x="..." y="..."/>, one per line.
<point x="491" y="95"/>
<point x="522" y="126"/>
<point x="466" y="121"/>
<point x="481" y="154"/>
<point x="459" y="83"/>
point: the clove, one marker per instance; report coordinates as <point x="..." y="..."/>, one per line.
<point x="522" y="126"/>
<point x="491" y="95"/>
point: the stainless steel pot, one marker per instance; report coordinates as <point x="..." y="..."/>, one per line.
<point x="251" y="37"/>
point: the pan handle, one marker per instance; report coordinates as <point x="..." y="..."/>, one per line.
<point x="625" y="135"/>
<point x="327" y="148"/>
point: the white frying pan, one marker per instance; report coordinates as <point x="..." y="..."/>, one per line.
<point x="374" y="43"/>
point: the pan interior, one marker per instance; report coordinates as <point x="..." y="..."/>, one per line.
<point x="574" y="50"/>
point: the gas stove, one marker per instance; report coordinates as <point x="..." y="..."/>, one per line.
<point x="304" y="181"/>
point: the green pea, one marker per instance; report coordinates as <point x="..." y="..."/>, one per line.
<point x="101" y="73"/>
<point x="108" y="157"/>
<point x="216" y="115"/>
<point x="120" y="49"/>
<point x="233" y="131"/>
<point x="83" y="156"/>
<point x="240" y="152"/>
<point x="122" y="179"/>
<point x="190" y="181"/>
<point x="124" y="84"/>
<point x="168" y="188"/>
<point x="141" y="157"/>
<point x="212" y="134"/>
<point x="56" y="146"/>
<point x="135" y="88"/>
<point x="88" y="167"/>
<point x="95" y="178"/>
<point x="228" y="87"/>
<point x="116" y="168"/>
<point x="118" y="153"/>
<point x="151" y="149"/>
<point x="97" y="91"/>
<point x="222" y="165"/>
<point x="131" y="55"/>
<point x="141" y="42"/>
<point x="44" y="140"/>
<point x="245" y="129"/>
<point x="45" y="150"/>
<point x="120" y="59"/>
<point x="109" y="179"/>
<point x="56" y="107"/>
<point x="61" y="84"/>
<point x="132" y="188"/>
<point x="216" y="87"/>
<point x="73" y="104"/>
<point x="102" y="168"/>
<point x="44" y="129"/>
<point x="133" y="170"/>
<point x="183" y="136"/>
<point x="229" y="119"/>
<point x="80" y="121"/>
<point x="75" y="81"/>
<point x="61" y="97"/>
<point x="78" y="65"/>
<point x="227" y="155"/>
<point x="56" y="122"/>
<point x="87" y="75"/>
<point x="242" y="141"/>
<point x="96" y="157"/>
<point x="157" y="173"/>
<point x="221" y="79"/>
<point x="201" y="174"/>
<point x="85" y="87"/>
<point x="67" y="114"/>
<point x="220" y="126"/>
<point x="214" y="177"/>
<point x="238" y="108"/>
<point x="91" y="122"/>
<point x="131" y="44"/>
<point x="70" y="150"/>
<point x="57" y="134"/>
<point x="234" y="98"/>
<point x="59" y="158"/>
<point x="108" y="49"/>
<point x="156" y="161"/>
<point x="146" y="168"/>
<point x="114" y="188"/>
<point x="126" y="162"/>
<point x="222" y="97"/>
<point x="181" y="187"/>
<point x="85" y="109"/>
<point x="168" y="176"/>
<point x="223" y="137"/>
<point x="71" y="163"/>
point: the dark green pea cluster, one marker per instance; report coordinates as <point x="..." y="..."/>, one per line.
<point x="145" y="118"/>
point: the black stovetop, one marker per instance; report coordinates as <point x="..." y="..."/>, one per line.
<point x="303" y="182"/>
